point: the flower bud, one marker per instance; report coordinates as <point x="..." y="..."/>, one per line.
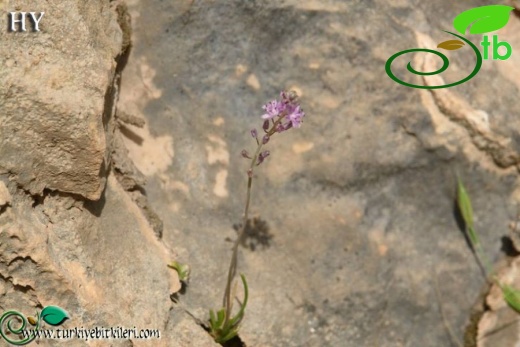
<point x="265" y="126"/>
<point x="280" y="128"/>
<point x="250" y="173"/>
<point x="261" y="157"/>
<point x="245" y="154"/>
<point x="265" y="139"/>
<point x="254" y="133"/>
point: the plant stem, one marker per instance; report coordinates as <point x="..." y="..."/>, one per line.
<point x="227" y="302"/>
<point x="484" y="262"/>
<point x="233" y="265"/>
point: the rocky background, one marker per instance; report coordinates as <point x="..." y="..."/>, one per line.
<point x="120" y="143"/>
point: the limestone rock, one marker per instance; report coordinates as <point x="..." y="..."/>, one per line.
<point x="5" y="196"/>
<point x="52" y="94"/>
<point x="364" y="247"/>
<point x="360" y="199"/>
<point x="498" y="325"/>
<point x="71" y="235"/>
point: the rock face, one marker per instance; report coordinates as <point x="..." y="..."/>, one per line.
<point x="357" y="239"/>
<point x="100" y="261"/>
<point x="360" y="200"/>
<point x="71" y="232"/>
<point x="53" y="96"/>
<point x="498" y="326"/>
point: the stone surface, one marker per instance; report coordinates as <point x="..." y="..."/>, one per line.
<point x="498" y="326"/>
<point x="75" y="228"/>
<point x="360" y="200"/>
<point x="181" y="332"/>
<point x="100" y="261"/>
<point x="5" y="197"/>
<point x="361" y="243"/>
<point x="53" y="95"/>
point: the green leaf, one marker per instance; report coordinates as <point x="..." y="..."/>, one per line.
<point x="54" y="315"/>
<point x="212" y="320"/>
<point x="464" y="203"/>
<point x="232" y="333"/>
<point x="238" y="318"/>
<point x="451" y="45"/>
<point x="484" y="19"/>
<point x="511" y="296"/>
<point x="183" y="270"/>
<point x="221" y="317"/>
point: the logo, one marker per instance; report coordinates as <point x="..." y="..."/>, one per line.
<point x="14" y="323"/>
<point x="479" y="20"/>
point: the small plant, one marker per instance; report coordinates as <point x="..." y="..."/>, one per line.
<point x="510" y="294"/>
<point x="183" y="270"/>
<point x="224" y="330"/>
<point x="280" y="115"/>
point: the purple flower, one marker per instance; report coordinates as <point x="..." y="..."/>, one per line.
<point x="295" y="116"/>
<point x="261" y="157"/>
<point x="287" y="109"/>
<point x="273" y="109"/>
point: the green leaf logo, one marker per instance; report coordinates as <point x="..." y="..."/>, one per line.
<point x="54" y="315"/>
<point x="484" y="19"/>
<point x="451" y="45"/>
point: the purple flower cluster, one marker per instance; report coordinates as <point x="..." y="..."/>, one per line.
<point x="286" y="108"/>
<point x="280" y="115"/>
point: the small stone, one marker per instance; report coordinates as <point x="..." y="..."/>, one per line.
<point x="253" y="82"/>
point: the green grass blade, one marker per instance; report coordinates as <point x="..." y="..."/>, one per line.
<point x="464" y="203"/>
<point x="511" y="296"/>
<point x="473" y="238"/>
